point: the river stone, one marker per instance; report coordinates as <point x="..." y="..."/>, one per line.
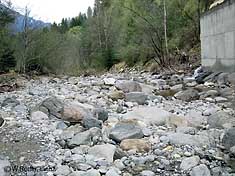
<point x="101" y="114"/>
<point x="63" y="170"/>
<point x="74" y="112"/>
<point x="1" y="121"/>
<point x="116" y="95"/>
<point x="61" y="125"/>
<point x="109" y="81"/>
<point x="148" y="89"/>
<point x="211" y="93"/>
<point x="69" y="132"/>
<point x="147" y="173"/>
<point x="189" y="163"/>
<point x="149" y="115"/>
<point x="195" y="119"/>
<point x="113" y="172"/>
<point x="85" y="138"/>
<point x="165" y="92"/>
<point x="202" y="77"/>
<point x="220" y="99"/>
<point x="138" y="97"/>
<point x="219" y="119"/>
<point x="201" y="170"/>
<point x="231" y="78"/>
<point x="128" y="86"/>
<point x="187" y="95"/>
<point x="10" y="101"/>
<point x="177" y="88"/>
<point x="186" y="130"/>
<point x="226" y="92"/>
<point x="3" y="164"/>
<point x="159" y="83"/>
<point x="139" y="145"/>
<point x="228" y="139"/>
<point x="176" y="121"/>
<point x="105" y="151"/>
<point x="91" y="122"/>
<point x="52" y="106"/>
<point x="222" y="78"/>
<point x="124" y="130"/>
<point x="38" y="115"/>
<point x="91" y="172"/>
<point x="186" y="139"/>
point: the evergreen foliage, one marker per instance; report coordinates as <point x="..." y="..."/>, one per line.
<point x="133" y="31"/>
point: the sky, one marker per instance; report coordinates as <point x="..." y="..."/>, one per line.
<point x="53" y="10"/>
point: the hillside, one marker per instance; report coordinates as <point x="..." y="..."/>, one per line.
<point x="17" y="26"/>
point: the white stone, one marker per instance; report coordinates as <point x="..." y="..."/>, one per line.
<point x="201" y="170"/>
<point x="147" y="173"/>
<point x="109" y="81"/>
<point x="149" y="115"/>
<point x="105" y="151"/>
<point x="38" y="115"/>
<point x="189" y="163"/>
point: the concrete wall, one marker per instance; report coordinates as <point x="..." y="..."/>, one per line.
<point x="218" y="37"/>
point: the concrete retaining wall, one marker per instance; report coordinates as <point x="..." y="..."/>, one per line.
<point x="218" y="37"/>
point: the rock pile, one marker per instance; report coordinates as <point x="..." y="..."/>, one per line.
<point x="121" y="125"/>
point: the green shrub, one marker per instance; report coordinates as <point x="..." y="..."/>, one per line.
<point x="7" y="61"/>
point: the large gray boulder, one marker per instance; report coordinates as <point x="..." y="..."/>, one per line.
<point x="71" y="131"/>
<point x="231" y="78"/>
<point x="187" y="95"/>
<point x="187" y="139"/>
<point x="38" y="116"/>
<point x="195" y="119"/>
<point x="189" y="163"/>
<point x="222" y="78"/>
<point x="101" y="114"/>
<point x="149" y="115"/>
<point x="89" y="115"/>
<point x="90" y="122"/>
<point x="52" y="106"/>
<point x="83" y="138"/>
<point x="125" y="130"/>
<point x="75" y="112"/>
<point x="128" y="86"/>
<point x="220" y="119"/>
<point x="10" y="102"/>
<point x="228" y="139"/>
<point x="226" y="91"/>
<point x="138" y="97"/>
<point x="201" y="170"/>
<point x="88" y="137"/>
<point x="105" y="151"/>
<point x="109" y="81"/>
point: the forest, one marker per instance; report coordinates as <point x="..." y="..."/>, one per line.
<point x="135" y="32"/>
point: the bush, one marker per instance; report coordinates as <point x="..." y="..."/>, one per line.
<point x="7" y="61"/>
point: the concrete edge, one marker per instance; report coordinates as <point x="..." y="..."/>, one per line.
<point x="218" y="7"/>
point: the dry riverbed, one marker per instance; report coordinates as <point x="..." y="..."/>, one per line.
<point x="119" y="125"/>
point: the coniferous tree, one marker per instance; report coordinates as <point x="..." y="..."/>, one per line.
<point x="7" y="60"/>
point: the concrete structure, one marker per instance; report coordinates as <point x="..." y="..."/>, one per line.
<point x="218" y="37"/>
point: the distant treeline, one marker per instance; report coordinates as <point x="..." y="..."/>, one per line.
<point x="131" y="31"/>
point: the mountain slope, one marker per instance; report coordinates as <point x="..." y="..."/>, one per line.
<point x="18" y="24"/>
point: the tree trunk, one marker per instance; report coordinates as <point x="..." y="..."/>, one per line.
<point x="165" y="29"/>
<point x="199" y="16"/>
